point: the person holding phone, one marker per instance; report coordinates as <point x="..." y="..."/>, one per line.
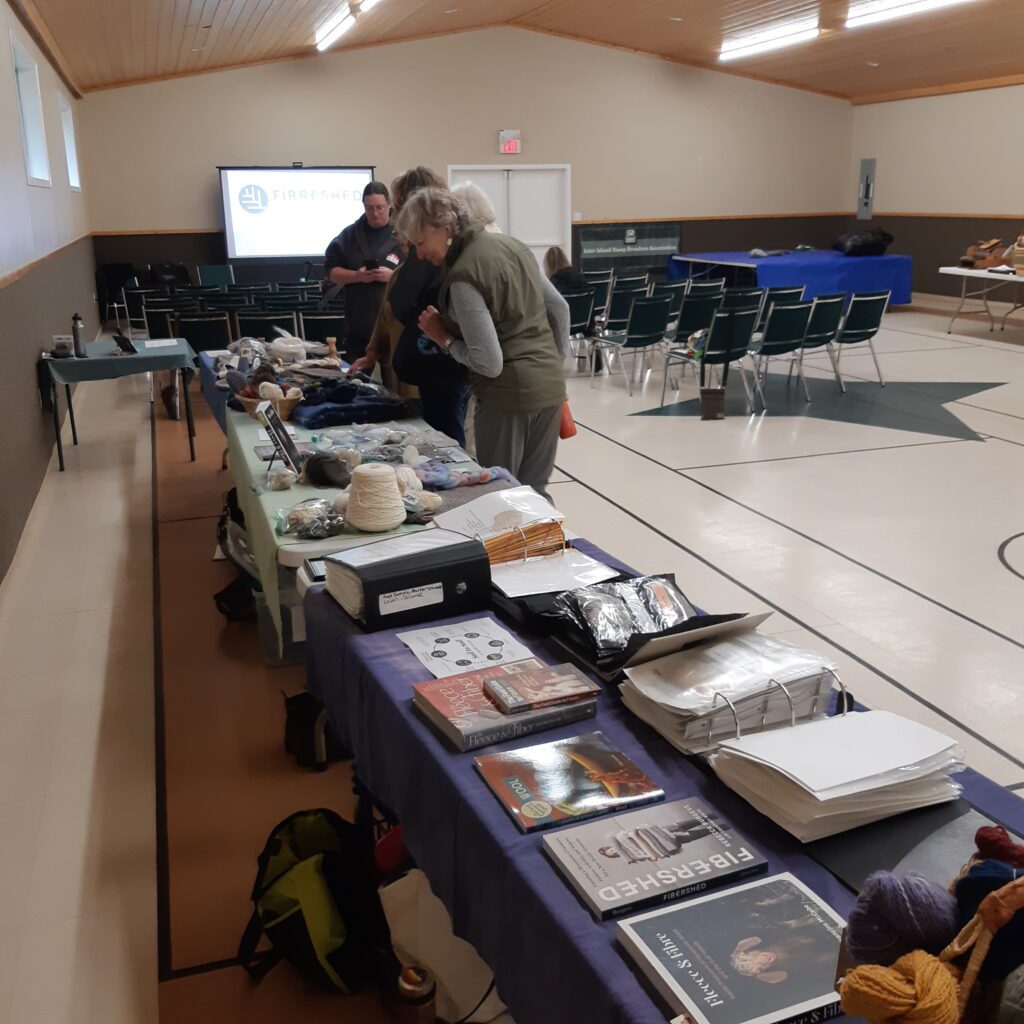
<point x="361" y="259"/>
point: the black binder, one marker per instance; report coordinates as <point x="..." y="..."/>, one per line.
<point x="422" y="586"/>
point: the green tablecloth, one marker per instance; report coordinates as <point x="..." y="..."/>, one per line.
<point x="260" y="506"/>
<point x="103" y="364"/>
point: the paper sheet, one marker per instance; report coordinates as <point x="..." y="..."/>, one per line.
<point x="396" y="547"/>
<point x="497" y="512"/>
<point x="464" y="647"/>
<point x="161" y="343"/>
<point x="550" y="574"/>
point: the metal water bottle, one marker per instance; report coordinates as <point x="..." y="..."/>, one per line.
<point x="78" y="333"/>
<point x="417" y="993"/>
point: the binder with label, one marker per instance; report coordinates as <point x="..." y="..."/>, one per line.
<point x="414" y="578"/>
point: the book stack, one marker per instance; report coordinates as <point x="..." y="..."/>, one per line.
<point x="820" y="778"/>
<point x="462" y="708"/>
<point x="747" y="683"/>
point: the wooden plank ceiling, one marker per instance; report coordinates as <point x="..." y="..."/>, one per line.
<point x="113" y="42"/>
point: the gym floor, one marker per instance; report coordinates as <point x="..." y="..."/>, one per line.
<point x="884" y="528"/>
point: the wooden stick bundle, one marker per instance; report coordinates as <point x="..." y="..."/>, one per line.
<point x="541" y="538"/>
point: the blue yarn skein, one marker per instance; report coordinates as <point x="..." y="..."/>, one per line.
<point x="897" y="914"/>
<point x="1007" y="950"/>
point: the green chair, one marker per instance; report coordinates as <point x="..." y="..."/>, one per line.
<point x="134" y="302"/>
<point x="743" y="298"/>
<point x="264" y="325"/>
<point x="861" y="323"/>
<point x="631" y="281"/>
<point x="601" y="282"/>
<point x="581" y="315"/>
<point x="220" y="274"/>
<point x="781" y="296"/>
<point x="695" y="317"/>
<point x="205" y="331"/>
<point x="676" y="291"/>
<point x="617" y="313"/>
<point x="727" y="342"/>
<point x="645" y="327"/>
<point x="826" y="316"/>
<point x="321" y="326"/>
<point x="697" y="287"/>
<point x="784" y="333"/>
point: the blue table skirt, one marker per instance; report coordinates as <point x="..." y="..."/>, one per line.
<point x="552" y="962"/>
<point x="821" y="272"/>
<point x="216" y="399"/>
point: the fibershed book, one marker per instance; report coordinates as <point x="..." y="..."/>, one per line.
<point x="579" y="777"/>
<point x="657" y="854"/>
<point x="761" y="953"/>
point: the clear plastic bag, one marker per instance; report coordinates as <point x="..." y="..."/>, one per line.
<point x="611" y="614"/>
<point x="312" y="519"/>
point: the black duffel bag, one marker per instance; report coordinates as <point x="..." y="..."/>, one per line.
<point x="863" y="242"/>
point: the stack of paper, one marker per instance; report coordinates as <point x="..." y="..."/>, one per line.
<point x="823" y="777"/>
<point x="698" y="697"/>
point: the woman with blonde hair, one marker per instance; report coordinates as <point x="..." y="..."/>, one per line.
<point x="498" y="316"/>
<point x="442" y="382"/>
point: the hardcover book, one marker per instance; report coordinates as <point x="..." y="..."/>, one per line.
<point x="652" y="855"/>
<point x="540" y="688"/>
<point x="579" y="777"/>
<point x="457" y="707"/>
<point x="760" y="953"/>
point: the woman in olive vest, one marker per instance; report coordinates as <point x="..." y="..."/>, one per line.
<point x="503" y="320"/>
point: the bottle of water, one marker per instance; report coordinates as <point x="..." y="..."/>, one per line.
<point x="78" y="333"/>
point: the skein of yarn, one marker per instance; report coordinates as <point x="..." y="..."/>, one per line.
<point x="895" y="915"/>
<point x="1006" y="953"/>
<point x="916" y="989"/>
<point x="995" y="843"/>
<point x="1011" y="1006"/>
<point x="374" y="503"/>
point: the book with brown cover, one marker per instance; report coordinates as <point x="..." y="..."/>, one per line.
<point x="540" y="688"/>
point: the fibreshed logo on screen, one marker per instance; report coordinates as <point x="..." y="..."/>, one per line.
<point x="253" y="199"/>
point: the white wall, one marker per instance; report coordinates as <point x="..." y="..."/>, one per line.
<point x="34" y="220"/>
<point x="960" y="153"/>
<point x="646" y="138"/>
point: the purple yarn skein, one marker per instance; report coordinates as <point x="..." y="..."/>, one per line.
<point x="897" y="914"/>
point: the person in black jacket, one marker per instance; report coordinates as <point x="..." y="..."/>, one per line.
<point x="562" y="274"/>
<point x="442" y="382"/>
<point x="362" y="259"/>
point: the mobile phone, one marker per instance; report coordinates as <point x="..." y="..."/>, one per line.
<point x="372" y="265"/>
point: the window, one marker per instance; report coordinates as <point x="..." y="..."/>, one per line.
<point x="67" y="124"/>
<point x="30" y="110"/>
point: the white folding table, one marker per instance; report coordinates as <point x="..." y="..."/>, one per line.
<point x="989" y="281"/>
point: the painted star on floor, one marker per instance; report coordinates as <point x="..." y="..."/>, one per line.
<point x="918" y="407"/>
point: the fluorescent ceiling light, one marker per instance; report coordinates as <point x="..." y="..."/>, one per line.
<point x="333" y="29"/>
<point x="787" y="34"/>
<point x="871" y="12"/>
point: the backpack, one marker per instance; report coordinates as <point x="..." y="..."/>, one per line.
<point x="315" y="898"/>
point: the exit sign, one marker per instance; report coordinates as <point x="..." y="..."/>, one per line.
<point x="510" y="141"/>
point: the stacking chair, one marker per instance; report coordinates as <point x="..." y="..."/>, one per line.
<point x="676" y="291"/>
<point x="631" y="281"/>
<point x="158" y="321"/>
<point x="248" y="289"/>
<point x="321" y="326"/>
<point x="602" y="286"/>
<point x="695" y="287"/>
<point x="784" y="333"/>
<point x="263" y="325"/>
<point x="783" y="296"/>
<point x="232" y="300"/>
<point x="727" y="343"/>
<point x="134" y="303"/>
<point x="695" y="317"/>
<point x="743" y="298"/>
<point x="826" y="316"/>
<point x="861" y="323"/>
<point x="581" y="313"/>
<point x="645" y="327"/>
<point x="204" y="331"/>
<point x="198" y="291"/>
<point x="220" y="274"/>
<point x="617" y="313"/>
<point x="598" y="276"/>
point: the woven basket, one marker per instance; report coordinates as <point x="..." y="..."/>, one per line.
<point x="282" y="406"/>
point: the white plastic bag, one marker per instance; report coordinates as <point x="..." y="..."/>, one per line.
<point x="421" y="934"/>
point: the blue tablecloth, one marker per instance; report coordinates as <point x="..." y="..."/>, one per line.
<point x="821" y="272"/>
<point x="552" y="962"/>
<point x="105" y="361"/>
<point x="216" y="399"/>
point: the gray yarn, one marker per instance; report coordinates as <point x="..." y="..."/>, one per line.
<point x="1011" y="1006"/>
